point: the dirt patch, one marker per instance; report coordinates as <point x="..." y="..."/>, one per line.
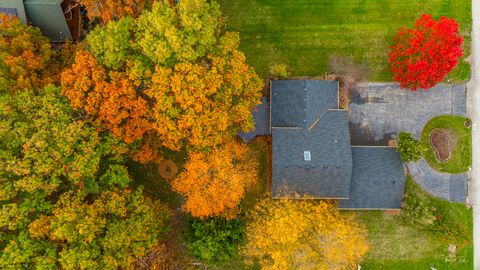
<point x="167" y="169"/>
<point x="443" y="142"/>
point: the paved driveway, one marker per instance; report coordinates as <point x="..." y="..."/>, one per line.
<point x="378" y="111"/>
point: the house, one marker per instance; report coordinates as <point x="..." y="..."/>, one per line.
<point x="312" y="155"/>
<point x="59" y="20"/>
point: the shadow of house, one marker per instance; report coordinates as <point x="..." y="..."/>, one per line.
<point x="312" y="154"/>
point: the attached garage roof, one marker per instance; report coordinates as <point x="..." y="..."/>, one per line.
<point x="378" y="179"/>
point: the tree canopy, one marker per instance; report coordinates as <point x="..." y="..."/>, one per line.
<point x="422" y="56"/>
<point x="107" y="10"/>
<point x="409" y="148"/>
<point x="181" y="77"/>
<point x="63" y="191"/>
<point x="214" y="183"/>
<point x="303" y="234"/>
<point x="27" y="60"/>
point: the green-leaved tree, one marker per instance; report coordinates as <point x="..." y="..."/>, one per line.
<point x="409" y="148"/>
<point x="64" y="193"/>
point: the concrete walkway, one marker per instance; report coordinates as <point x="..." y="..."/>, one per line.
<point x="451" y="187"/>
<point x="473" y="109"/>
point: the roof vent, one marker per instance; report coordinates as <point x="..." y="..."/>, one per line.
<point x="307" y="156"/>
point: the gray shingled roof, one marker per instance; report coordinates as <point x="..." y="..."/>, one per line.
<point x="17" y="6"/>
<point x="378" y="180"/>
<point x="299" y="103"/>
<point x="305" y="117"/>
<point x="48" y="16"/>
<point x="261" y="116"/>
<point x="328" y="174"/>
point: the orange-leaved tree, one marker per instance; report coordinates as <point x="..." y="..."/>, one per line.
<point x="107" y="10"/>
<point x="171" y="73"/>
<point x="214" y="183"/>
<point x="113" y="104"/>
<point x="303" y="234"/>
<point x="201" y="104"/>
<point x="27" y="61"/>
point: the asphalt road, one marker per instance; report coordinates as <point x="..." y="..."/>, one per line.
<point x="473" y="110"/>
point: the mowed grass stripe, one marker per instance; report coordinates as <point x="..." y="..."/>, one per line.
<point x="303" y="34"/>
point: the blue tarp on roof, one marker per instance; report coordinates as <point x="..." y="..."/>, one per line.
<point x="261" y="115"/>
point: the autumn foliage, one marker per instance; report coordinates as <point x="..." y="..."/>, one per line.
<point x="214" y="183"/>
<point x="107" y="10"/>
<point x="64" y="194"/>
<point x="422" y="56"/>
<point x="303" y="234"/>
<point x="170" y="73"/>
<point x="119" y="226"/>
<point x="26" y="57"/>
<point x="113" y="103"/>
<point x="204" y="105"/>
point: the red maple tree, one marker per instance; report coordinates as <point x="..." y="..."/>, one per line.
<point x="422" y="56"/>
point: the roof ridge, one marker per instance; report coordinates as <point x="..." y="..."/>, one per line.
<point x="321" y="116"/>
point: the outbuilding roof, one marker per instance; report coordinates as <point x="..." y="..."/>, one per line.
<point x="48" y="16"/>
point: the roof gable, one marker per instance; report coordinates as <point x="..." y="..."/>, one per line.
<point x="300" y="103"/>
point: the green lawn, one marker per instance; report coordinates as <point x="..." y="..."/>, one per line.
<point x="396" y="243"/>
<point x="461" y="158"/>
<point x="304" y="33"/>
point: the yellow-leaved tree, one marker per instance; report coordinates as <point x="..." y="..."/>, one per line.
<point x="303" y="234"/>
<point x="173" y="78"/>
<point x="214" y="183"/>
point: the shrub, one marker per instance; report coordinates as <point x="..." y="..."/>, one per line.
<point x="215" y="239"/>
<point x="279" y="71"/>
<point x="409" y="148"/>
<point x="417" y="212"/>
<point x="441" y="218"/>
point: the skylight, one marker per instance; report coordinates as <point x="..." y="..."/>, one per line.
<point x="306" y="156"/>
